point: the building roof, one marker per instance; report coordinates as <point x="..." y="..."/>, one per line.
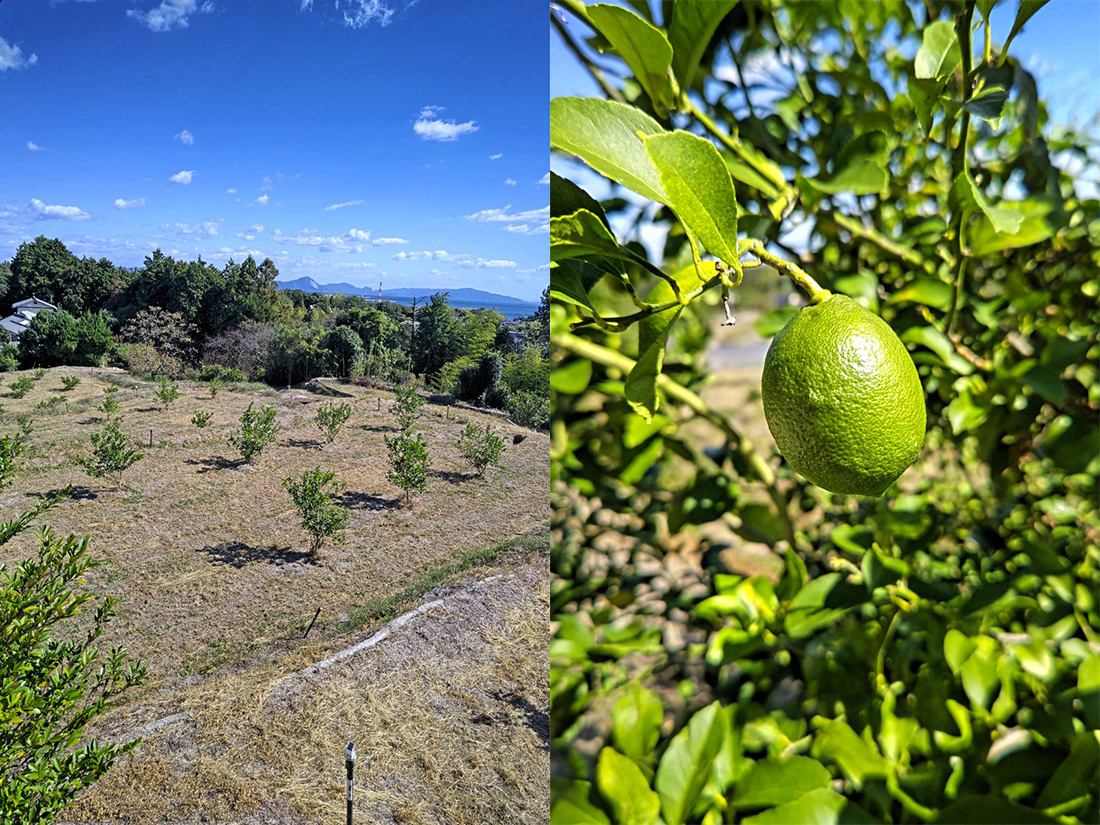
<point x="32" y="302"/>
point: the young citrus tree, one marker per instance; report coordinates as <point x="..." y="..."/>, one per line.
<point x="480" y="447"/>
<point x="330" y="418"/>
<point x="258" y="430"/>
<point x="168" y="392"/>
<point x="312" y="495"/>
<point x="826" y="633"/>
<point x="112" y="454"/>
<point x="406" y="407"/>
<point x="409" y="462"/>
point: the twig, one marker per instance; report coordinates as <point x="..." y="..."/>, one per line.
<point x="877" y="238"/>
<point x="958" y="160"/>
<point x="812" y="288"/>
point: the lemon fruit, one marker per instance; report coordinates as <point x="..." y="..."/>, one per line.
<point x="842" y="398"/>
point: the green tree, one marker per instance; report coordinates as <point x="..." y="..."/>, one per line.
<point x="434" y="342"/>
<point x="313" y="496"/>
<point x="346" y="348"/>
<point x="476" y="333"/>
<point x="926" y="656"/>
<point x="331" y="417"/>
<point x="112" y="454"/>
<point x="258" y="429"/>
<point x="406" y="405"/>
<point x="480" y="448"/>
<point x="409" y="462"/>
<point x="50" y="340"/>
<point x="93" y="339"/>
<point x="45" y="268"/>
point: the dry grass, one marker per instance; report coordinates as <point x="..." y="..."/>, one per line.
<point x="212" y="570"/>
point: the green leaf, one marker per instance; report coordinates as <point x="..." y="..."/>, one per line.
<point x="926" y="97"/>
<point x="988" y="100"/>
<point x="941" y="345"/>
<point x="581" y="233"/>
<point x="573" y="378"/>
<point x="747" y="175"/>
<point x="686" y="764"/>
<point x="636" y="722"/>
<point x="1046" y="383"/>
<point x="1039" y="220"/>
<point x="571" y="804"/>
<point x="819" y="807"/>
<point x="698" y="189"/>
<point x="957" y="647"/>
<point x="566" y="198"/>
<point x="690" y="30"/>
<point x="604" y="134"/>
<point x="860" y="167"/>
<point x="626" y="790"/>
<point x="643" y="47"/>
<point x="650" y="327"/>
<point x="1076" y="776"/>
<point x="566" y="285"/>
<point x="965" y="195"/>
<point x="641" y="385"/>
<point x="939" y="54"/>
<point x="837" y="742"/>
<point x="931" y="292"/>
<point x="773" y="781"/>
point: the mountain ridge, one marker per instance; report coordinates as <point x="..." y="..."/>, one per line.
<point x="466" y="294"/>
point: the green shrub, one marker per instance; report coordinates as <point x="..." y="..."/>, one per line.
<point x="39" y="374"/>
<point x="9" y="358"/>
<point x="409" y="462"/>
<point x="223" y="375"/>
<point x="215" y="387"/>
<point x="21" y="386"/>
<point x="201" y="419"/>
<point x="111" y="454"/>
<point x="70" y="382"/>
<point x="26" y="424"/>
<point x="258" y="429"/>
<point x="481" y="448"/>
<point x="313" y="494"/>
<point x="331" y="417"/>
<point x="110" y="401"/>
<point x="529" y="410"/>
<point x="11" y="447"/>
<point x="168" y="392"/>
<point x="51" y="402"/>
<point x="407" y="405"/>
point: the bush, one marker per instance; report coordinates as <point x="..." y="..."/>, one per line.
<point x="529" y="410"/>
<point x="258" y="429"/>
<point x="39" y="374"/>
<point x="445" y="382"/>
<point x="111" y="454"/>
<point x="144" y="360"/>
<point x="168" y="392"/>
<point x="313" y="494"/>
<point x="110" y="400"/>
<point x="70" y="382"/>
<point x="407" y="405"/>
<point x="21" y="386"/>
<point x="220" y="374"/>
<point x="496" y="397"/>
<point x="55" y="681"/>
<point x="215" y="387"/>
<point x="475" y="382"/>
<point x="9" y="358"/>
<point x="26" y="424"/>
<point x="409" y="462"/>
<point x="331" y="417"/>
<point x="201" y="419"/>
<point x="11" y="447"/>
<point x="51" y="402"/>
<point x="480" y="448"/>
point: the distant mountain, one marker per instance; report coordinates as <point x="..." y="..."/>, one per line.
<point x="463" y="296"/>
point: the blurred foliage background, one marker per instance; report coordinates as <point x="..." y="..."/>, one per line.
<point x="732" y="644"/>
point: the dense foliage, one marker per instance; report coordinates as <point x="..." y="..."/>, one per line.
<point x="481" y="448"/>
<point x="931" y="656"/>
<point x="112" y="454"/>
<point x="257" y="431"/>
<point x="313" y="497"/>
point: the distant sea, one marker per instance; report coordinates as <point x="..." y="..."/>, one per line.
<point x="509" y="311"/>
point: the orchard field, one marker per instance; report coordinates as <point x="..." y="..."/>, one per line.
<point x="216" y="586"/>
<point x="731" y="642"/>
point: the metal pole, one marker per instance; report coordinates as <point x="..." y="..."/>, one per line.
<point x="315" y="615"/>
<point x="349" y="760"/>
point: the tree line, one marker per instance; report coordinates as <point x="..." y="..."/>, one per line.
<point x="175" y="318"/>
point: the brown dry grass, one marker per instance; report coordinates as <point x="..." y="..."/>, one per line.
<point x="211" y="568"/>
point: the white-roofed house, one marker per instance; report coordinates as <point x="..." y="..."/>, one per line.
<point x="16" y="323"/>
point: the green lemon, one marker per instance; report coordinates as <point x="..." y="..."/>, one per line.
<point x="842" y="398"/>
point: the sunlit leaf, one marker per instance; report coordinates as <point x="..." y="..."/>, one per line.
<point x="626" y="790"/>
<point x="581" y="233"/>
<point x="643" y="47"/>
<point x="772" y="782"/>
<point x="939" y="54"/>
<point x="686" y="764"/>
<point x="689" y="31"/>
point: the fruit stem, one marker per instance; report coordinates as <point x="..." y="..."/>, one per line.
<point x="815" y="291"/>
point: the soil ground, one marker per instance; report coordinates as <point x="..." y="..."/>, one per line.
<point x="216" y="587"/>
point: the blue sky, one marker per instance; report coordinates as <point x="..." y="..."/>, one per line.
<point x="1058" y="45"/>
<point x="348" y="140"/>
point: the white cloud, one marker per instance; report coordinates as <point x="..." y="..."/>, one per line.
<point x="171" y="14"/>
<point x="182" y="177"/>
<point x="545" y="180"/>
<point x="263" y="199"/>
<point x="497" y="156"/>
<point x="206" y="229"/>
<point x="268" y="182"/>
<point x="388" y="241"/>
<point x="34" y="147"/>
<point x="252" y="232"/>
<point x="186" y="138"/>
<point x="363" y="12"/>
<point x="334" y="206"/>
<point x="509" y="182"/>
<point x="308" y="237"/>
<point x="527" y="229"/>
<point x="359" y="234"/>
<point x="487" y="263"/>
<point x="430" y="127"/>
<point x="11" y="57"/>
<point x="437" y="255"/>
<point x="503" y="216"/>
<point x="536" y="269"/>
<point x="46" y="212"/>
<point x="131" y="204"/>
<point x="232" y="190"/>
